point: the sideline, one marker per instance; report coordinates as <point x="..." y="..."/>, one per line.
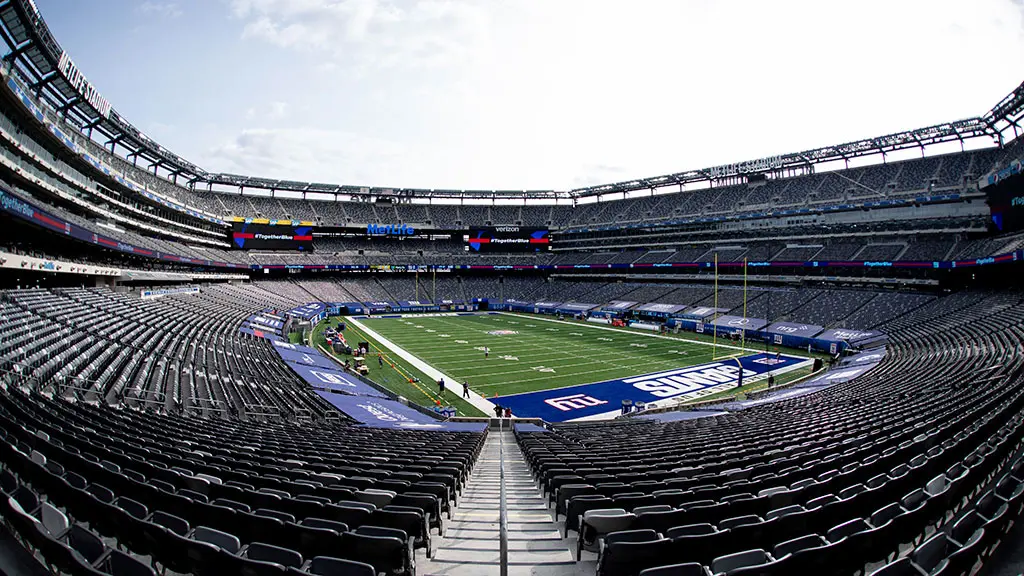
<point x="748" y="350"/>
<point x="451" y="384"/>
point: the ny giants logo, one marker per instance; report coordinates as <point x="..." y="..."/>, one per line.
<point x="574" y="402"/>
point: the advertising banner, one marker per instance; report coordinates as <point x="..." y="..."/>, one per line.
<point x="295" y="348"/>
<point x="333" y="379"/>
<point x="794" y="329"/>
<point x="740" y="323"/>
<point x="660" y="308"/>
<point x="382" y="413"/>
<point x="307" y="358"/>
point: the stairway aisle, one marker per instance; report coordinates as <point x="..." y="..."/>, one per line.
<point x="471" y="543"/>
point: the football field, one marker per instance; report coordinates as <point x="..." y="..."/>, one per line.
<point x="533" y="353"/>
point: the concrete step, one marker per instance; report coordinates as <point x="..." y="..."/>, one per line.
<point x="471" y="543"/>
<point x="519" y="516"/>
<point x="509" y="499"/>
<point x="512" y="526"/>
<point x="487" y="533"/>
<point x="525" y="558"/>
<point x="518" y="545"/>
<point x="509" y="506"/>
<point x="435" y="568"/>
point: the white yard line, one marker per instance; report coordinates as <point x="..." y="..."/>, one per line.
<point x="453" y="385"/>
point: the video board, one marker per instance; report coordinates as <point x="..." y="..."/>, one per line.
<point x="508" y="239"/>
<point x="251" y="236"/>
<point x="1006" y="201"/>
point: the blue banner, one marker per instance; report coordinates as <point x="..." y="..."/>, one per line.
<point x="584" y="400"/>
<point x="380" y="413"/>
<point x="266" y="320"/>
<point x="312" y="310"/>
<point x="307" y="358"/>
<point x="295" y="348"/>
<point x="260" y="334"/>
<point x="656" y="308"/>
<point x="333" y="379"/>
<point x="739" y="323"/>
<point x="847" y="335"/>
<point x="794" y="329"/>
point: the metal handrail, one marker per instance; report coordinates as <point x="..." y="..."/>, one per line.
<point x="502" y="516"/>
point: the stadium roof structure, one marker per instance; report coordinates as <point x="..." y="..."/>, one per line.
<point x="52" y="76"/>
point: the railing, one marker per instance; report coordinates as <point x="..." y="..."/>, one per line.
<point x="502" y="516"/>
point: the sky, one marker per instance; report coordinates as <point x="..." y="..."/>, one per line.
<point x="531" y="94"/>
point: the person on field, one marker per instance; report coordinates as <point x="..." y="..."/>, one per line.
<point x="440" y="386"/>
<point x="487" y="352"/>
<point x="380" y="360"/>
<point x="465" y="388"/>
<point x="508" y="412"/>
<point x="771" y="380"/>
<point x="497" y="411"/>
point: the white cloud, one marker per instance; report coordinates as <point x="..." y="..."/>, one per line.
<point x="542" y="94"/>
<point x="163" y="9"/>
<point x="278" y="110"/>
<point x="368" y="33"/>
<point x="305" y="154"/>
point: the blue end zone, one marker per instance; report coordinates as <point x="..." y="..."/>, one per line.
<point x="583" y="400"/>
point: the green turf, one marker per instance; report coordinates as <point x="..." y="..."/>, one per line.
<point x="423" y="393"/>
<point x="543" y="355"/>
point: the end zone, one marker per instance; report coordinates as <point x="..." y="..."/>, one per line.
<point x="603" y="400"/>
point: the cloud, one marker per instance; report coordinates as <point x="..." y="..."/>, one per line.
<point x="162" y="9"/>
<point x="307" y="154"/>
<point x="368" y="33"/>
<point x="546" y="95"/>
<point x="278" y="110"/>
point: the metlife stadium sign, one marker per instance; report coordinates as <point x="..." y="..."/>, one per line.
<point x="750" y="166"/>
<point x="390" y="230"/>
<point x="77" y="81"/>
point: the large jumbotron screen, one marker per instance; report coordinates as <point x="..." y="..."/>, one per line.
<point x="249" y="236"/>
<point x="508" y="239"/>
<point x="1006" y="200"/>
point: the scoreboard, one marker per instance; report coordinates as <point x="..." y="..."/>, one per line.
<point x="1006" y="202"/>
<point x="508" y="239"/>
<point x="252" y="236"/>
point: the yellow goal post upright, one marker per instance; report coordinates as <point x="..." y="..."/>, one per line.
<point x="743" y="327"/>
<point x="714" y="325"/>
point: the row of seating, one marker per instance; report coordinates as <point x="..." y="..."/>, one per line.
<point x="859" y="473"/>
<point x="178" y="353"/>
<point x="235" y="506"/>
